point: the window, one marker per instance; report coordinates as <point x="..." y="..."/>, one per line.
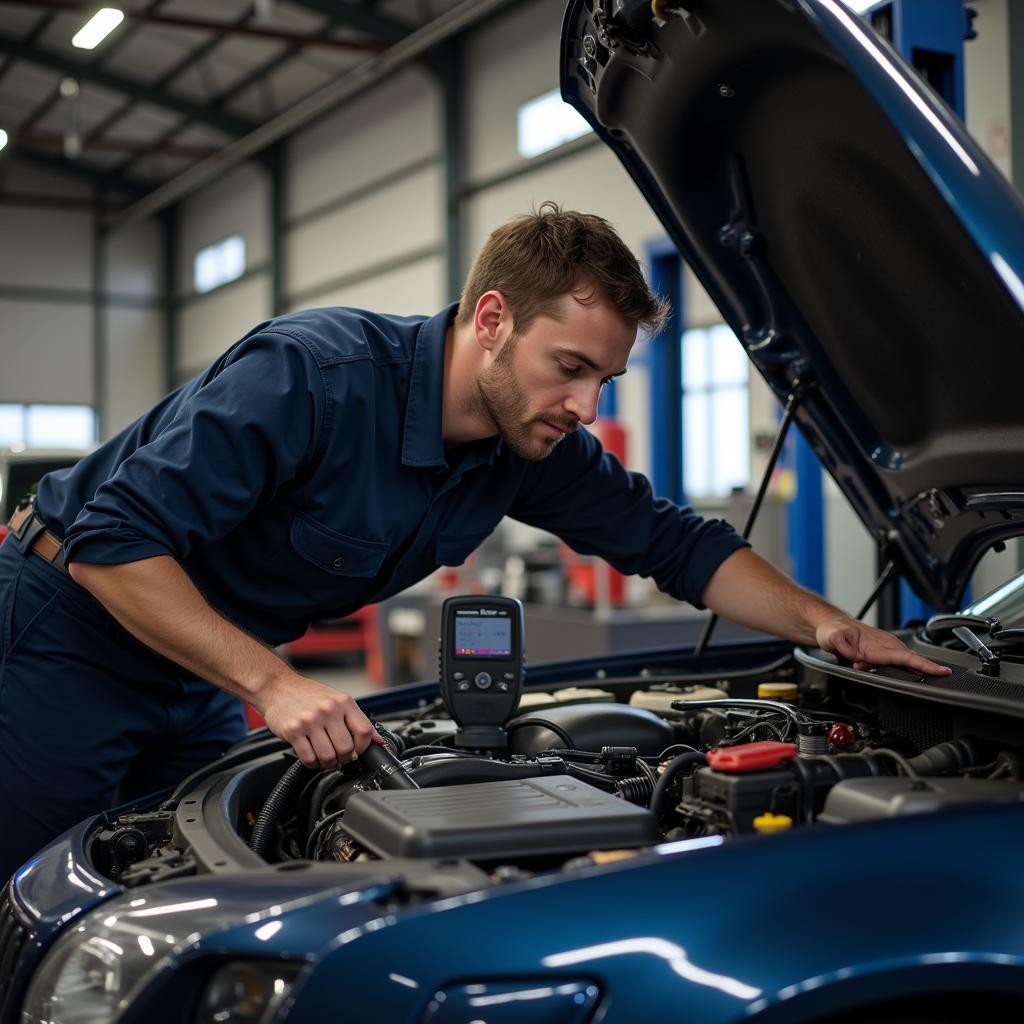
<point x="47" y="426"/>
<point x="217" y="264"/>
<point x="716" y="414"/>
<point x="547" y="123"/>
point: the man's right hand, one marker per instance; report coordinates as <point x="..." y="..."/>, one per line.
<point x="155" y="600"/>
<point x="323" y="725"/>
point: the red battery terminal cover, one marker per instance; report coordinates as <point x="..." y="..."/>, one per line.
<point x="841" y="736"/>
<point x="751" y="756"/>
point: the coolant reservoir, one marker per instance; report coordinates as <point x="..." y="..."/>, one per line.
<point x="661" y="700"/>
<point x="571" y="695"/>
<point x="777" y="691"/>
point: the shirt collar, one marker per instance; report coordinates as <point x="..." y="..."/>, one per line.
<point x="422" y="438"/>
<point x="422" y="443"/>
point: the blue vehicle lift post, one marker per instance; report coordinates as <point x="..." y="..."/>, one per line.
<point x="663" y="357"/>
<point x="929" y="35"/>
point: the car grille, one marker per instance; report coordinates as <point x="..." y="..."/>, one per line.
<point x="13" y="937"/>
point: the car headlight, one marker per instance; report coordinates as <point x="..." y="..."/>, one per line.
<point x="96" y="970"/>
<point x="84" y="980"/>
<point x="245" y="992"/>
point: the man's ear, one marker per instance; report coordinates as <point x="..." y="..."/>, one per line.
<point x="490" y="319"/>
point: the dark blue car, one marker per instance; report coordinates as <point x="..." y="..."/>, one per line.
<point x="685" y="844"/>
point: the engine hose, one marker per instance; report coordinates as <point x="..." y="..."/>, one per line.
<point x="427" y="749"/>
<point x="605" y="782"/>
<point x="459" y="770"/>
<point x="668" y="777"/>
<point x="946" y="758"/>
<point x="637" y="790"/>
<point x="270" y="812"/>
<point x="393" y="740"/>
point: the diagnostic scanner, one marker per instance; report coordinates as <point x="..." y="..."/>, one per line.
<point x="482" y="658"/>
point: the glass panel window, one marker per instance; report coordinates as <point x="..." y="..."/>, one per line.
<point x="729" y="364"/>
<point x="695" y="360"/>
<point x="60" y="426"/>
<point x="217" y="264"/>
<point x="12" y="425"/>
<point x="546" y="123"/>
<point x="716" y="415"/>
<point x="730" y="466"/>
<point x="696" y="464"/>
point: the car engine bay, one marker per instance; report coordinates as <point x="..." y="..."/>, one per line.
<point x="600" y="770"/>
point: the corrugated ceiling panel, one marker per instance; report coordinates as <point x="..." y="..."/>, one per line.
<point x="148" y="55"/>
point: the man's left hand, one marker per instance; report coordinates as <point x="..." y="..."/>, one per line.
<point x="866" y="646"/>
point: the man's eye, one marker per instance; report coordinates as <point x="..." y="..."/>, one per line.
<point x="570" y="371"/>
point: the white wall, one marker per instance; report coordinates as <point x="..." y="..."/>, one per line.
<point x="987" y="82"/>
<point x="133" y="324"/>
<point x="206" y="324"/>
<point x="48" y="324"/>
<point x="364" y="202"/>
<point x="46" y="332"/>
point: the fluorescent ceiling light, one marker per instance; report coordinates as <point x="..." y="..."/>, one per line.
<point x="3" y="138"/>
<point x="860" y="6"/>
<point x="97" y="28"/>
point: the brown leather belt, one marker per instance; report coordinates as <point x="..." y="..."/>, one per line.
<point x="26" y="525"/>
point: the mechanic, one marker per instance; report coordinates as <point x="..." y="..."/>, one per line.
<point x="329" y="459"/>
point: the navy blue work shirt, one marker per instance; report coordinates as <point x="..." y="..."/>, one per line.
<point x="304" y="475"/>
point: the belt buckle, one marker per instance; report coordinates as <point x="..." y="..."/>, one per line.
<point x="31" y="528"/>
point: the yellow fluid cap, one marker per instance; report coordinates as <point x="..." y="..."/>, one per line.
<point x="773" y="822"/>
<point x="777" y="691"/>
<point x="611" y="856"/>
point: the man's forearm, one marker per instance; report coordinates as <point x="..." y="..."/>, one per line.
<point x="751" y="592"/>
<point x="157" y="603"/>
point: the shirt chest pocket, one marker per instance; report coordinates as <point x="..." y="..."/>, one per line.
<point x="334" y="552"/>
<point x="455" y="548"/>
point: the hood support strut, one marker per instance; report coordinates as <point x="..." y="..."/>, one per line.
<point x="792" y="403"/>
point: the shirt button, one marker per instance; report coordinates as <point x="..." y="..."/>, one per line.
<point x="338" y="562"/>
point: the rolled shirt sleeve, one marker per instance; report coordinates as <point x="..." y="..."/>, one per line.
<point x="583" y="495"/>
<point x="251" y="426"/>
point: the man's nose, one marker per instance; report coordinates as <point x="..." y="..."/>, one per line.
<point x="582" y="402"/>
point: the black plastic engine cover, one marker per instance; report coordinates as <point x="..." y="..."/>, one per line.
<point x="590" y="727"/>
<point x="492" y="820"/>
<point x="865" y="799"/>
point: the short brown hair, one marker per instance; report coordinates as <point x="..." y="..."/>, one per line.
<point x="535" y="259"/>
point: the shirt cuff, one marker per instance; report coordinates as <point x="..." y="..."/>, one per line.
<point x="109" y="549"/>
<point x="713" y="551"/>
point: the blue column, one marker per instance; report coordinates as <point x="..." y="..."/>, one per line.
<point x="805" y="518"/>
<point x="928" y="34"/>
<point x="663" y="358"/>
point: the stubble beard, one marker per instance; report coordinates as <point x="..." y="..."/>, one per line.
<point x="505" y="402"/>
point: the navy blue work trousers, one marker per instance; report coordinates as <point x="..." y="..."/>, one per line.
<point x="89" y="716"/>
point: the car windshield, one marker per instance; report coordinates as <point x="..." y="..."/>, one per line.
<point x="1005" y="603"/>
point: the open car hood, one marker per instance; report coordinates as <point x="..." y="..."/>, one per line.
<point x="856" y="239"/>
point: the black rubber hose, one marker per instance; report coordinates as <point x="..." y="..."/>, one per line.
<point x="945" y="758"/>
<point x="393" y="740"/>
<point x="427" y="749"/>
<point x="637" y="790"/>
<point x="668" y="776"/>
<point x="458" y="770"/>
<point x="390" y="772"/>
<point x="598" y="779"/>
<point x="270" y="813"/>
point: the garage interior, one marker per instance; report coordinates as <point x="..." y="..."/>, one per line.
<point x="204" y="167"/>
